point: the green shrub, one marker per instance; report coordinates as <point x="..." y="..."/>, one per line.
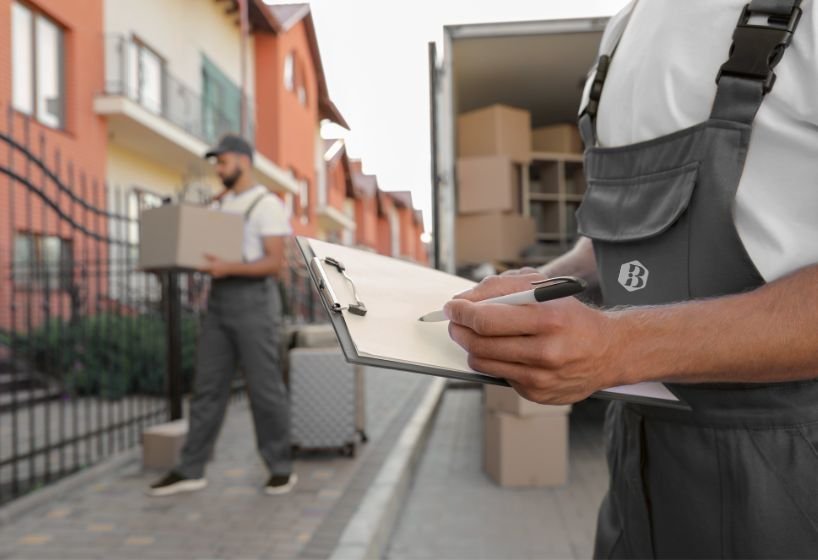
<point x="108" y="355"/>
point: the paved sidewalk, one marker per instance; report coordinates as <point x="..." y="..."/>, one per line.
<point x="232" y="518"/>
<point x="455" y="511"/>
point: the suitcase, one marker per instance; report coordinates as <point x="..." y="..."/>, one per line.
<point x="326" y="400"/>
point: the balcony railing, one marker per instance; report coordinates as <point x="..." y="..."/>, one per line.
<point x="134" y="71"/>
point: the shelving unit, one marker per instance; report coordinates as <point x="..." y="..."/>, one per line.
<point x="553" y="189"/>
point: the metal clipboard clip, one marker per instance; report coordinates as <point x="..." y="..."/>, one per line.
<point x="357" y="308"/>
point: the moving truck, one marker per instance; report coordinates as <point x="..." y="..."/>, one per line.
<point x="538" y="66"/>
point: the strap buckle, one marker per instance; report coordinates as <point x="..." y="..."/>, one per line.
<point x="757" y="49"/>
<point x="596" y="86"/>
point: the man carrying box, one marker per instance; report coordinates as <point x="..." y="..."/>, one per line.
<point x="241" y="325"/>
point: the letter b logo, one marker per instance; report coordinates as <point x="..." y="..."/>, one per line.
<point x="633" y="276"/>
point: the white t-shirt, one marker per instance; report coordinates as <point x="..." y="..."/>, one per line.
<point x="663" y="79"/>
<point x="268" y="218"/>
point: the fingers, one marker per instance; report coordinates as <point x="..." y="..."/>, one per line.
<point x="494" y="286"/>
<point x="514" y="349"/>
<point x="496" y="319"/>
<point x="515" y="374"/>
<point x="520" y="271"/>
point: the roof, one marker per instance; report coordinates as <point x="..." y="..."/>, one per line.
<point x="288" y="16"/>
<point x="403" y="198"/>
<point x="335" y="149"/>
<point x="260" y="18"/>
<point x="365" y="184"/>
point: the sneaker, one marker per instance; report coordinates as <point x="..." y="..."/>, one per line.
<point x="280" y="484"/>
<point x="174" y="483"/>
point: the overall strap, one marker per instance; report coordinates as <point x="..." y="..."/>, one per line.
<point x="757" y="48"/>
<point x="743" y="80"/>
<point x="587" y="117"/>
<point x="253" y="205"/>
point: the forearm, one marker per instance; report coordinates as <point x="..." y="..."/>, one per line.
<point x="767" y="335"/>
<point x="579" y="261"/>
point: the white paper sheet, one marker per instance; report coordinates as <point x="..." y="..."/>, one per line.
<point x="396" y="293"/>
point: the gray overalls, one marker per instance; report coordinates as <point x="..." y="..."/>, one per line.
<point x="241" y="327"/>
<point x="738" y="475"/>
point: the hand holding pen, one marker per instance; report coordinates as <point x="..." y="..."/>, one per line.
<point x="544" y="290"/>
<point x="556" y="353"/>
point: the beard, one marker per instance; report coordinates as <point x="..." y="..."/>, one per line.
<point x="230" y="180"/>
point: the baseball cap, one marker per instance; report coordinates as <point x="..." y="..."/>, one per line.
<point x="231" y="143"/>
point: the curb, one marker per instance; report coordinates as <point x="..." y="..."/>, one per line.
<point x="28" y="502"/>
<point x="367" y="534"/>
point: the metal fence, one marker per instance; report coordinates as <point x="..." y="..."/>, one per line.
<point x="88" y="357"/>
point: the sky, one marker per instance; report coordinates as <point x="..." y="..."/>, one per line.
<point x="375" y="57"/>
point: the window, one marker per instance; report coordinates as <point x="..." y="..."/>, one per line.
<point x="139" y="199"/>
<point x="221" y="102"/>
<point x="150" y="78"/>
<point x="295" y="77"/>
<point x="304" y="200"/>
<point x="289" y="71"/>
<point x="37" y="66"/>
<point x="302" y="94"/>
<point x="42" y="261"/>
<point x="394" y="230"/>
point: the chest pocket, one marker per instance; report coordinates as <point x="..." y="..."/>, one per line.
<point x="640" y="227"/>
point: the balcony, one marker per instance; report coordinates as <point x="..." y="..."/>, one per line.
<point x="332" y="219"/>
<point x="152" y="113"/>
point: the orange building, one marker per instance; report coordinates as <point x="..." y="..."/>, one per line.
<point x="367" y="207"/>
<point x="291" y="101"/>
<point x="51" y="66"/>
<point x="410" y="226"/>
<point x="336" y="201"/>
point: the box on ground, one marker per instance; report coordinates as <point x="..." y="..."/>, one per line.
<point x="506" y="399"/>
<point x="526" y="451"/>
<point x="489" y="183"/>
<point x="177" y="236"/>
<point x="495" y="130"/>
<point x="162" y="444"/>
<point x="492" y="236"/>
<point x="557" y="139"/>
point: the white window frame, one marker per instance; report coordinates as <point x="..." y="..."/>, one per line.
<point x="289" y="71"/>
<point x="304" y="200"/>
<point x="34" y="106"/>
<point x="144" y="52"/>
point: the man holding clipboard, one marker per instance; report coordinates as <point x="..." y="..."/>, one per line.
<point x="699" y="226"/>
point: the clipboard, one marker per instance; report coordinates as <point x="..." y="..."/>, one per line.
<point x="374" y="302"/>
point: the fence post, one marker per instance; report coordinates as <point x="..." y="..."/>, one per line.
<point x="173" y="333"/>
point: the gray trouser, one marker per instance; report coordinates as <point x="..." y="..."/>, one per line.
<point x="241" y="327"/>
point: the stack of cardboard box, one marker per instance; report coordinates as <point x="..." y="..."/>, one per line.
<point x="525" y="444"/>
<point x="557" y="139"/>
<point x="493" y="148"/>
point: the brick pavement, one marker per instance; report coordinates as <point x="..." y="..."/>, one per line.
<point x="232" y="518"/>
<point x="455" y="511"/>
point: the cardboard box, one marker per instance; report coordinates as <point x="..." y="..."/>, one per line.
<point x="495" y="130"/>
<point x="162" y="444"/>
<point x="489" y="183"/>
<point x="526" y="451"/>
<point x="557" y="139"/>
<point x="506" y="399"/>
<point x="493" y="236"/>
<point x="176" y="236"/>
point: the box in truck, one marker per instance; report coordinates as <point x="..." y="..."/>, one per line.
<point x="537" y="66"/>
